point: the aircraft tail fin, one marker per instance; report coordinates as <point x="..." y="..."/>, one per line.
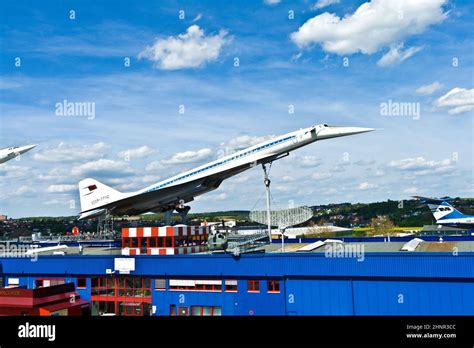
<point x="441" y="209"/>
<point x="94" y="194"/>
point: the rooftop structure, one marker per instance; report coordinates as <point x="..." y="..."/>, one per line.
<point x="364" y="277"/>
<point x="45" y="299"/>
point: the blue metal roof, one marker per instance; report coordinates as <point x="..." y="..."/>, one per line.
<point x="397" y="265"/>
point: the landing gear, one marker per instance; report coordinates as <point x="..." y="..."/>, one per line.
<point x="183" y="212"/>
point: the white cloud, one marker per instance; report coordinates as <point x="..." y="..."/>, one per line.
<point x="240" y="179"/>
<point x="154" y="166"/>
<point x="120" y="181"/>
<point x="422" y="166"/>
<point x="212" y="197"/>
<point x="102" y="167"/>
<point x="429" y="89"/>
<point x="364" y="162"/>
<point x="338" y="168"/>
<point x="287" y="178"/>
<point x="197" y="18"/>
<point x="308" y="161"/>
<point x="150" y="178"/>
<point x="9" y="84"/>
<point x="411" y="190"/>
<point x="188" y="157"/>
<point x="221" y="196"/>
<point x="63" y="188"/>
<point x="373" y="26"/>
<point x="24" y="190"/>
<point x="321" y="176"/>
<point x="189" y="50"/>
<point x="139" y="152"/>
<point x="296" y="56"/>
<point x="324" y="3"/>
<point x="271" y="2"/>
<point x="8" y="170"/>
<point x="379" y="172"/>
<point x="417" y="163"/>
<point x="283" y="188"/>
<point x="397" y="54"/>
<point x="366" y="186"/>
<point x="244" y="141"/>
<point x="129" y="186"/>
<point x="53" y="202"/>
<point x="71" y="153"/>
<point x="57" y="174"/>
<point x="459" y="100"/>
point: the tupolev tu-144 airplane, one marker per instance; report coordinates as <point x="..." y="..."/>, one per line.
<point x="171" y="194"/>
<point x="9" y="153"/>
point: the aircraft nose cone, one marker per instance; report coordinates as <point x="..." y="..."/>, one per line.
<point x="334" y="131"/>
<point x="356" y="130"/>
<point x="26" y="148"/>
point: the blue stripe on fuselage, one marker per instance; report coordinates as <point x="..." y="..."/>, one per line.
<point x="245" y="154"/>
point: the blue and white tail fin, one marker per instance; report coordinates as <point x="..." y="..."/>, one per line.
<point x="94" y="194"/>
<point x="441" y="209"/>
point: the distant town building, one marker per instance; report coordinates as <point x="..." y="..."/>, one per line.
<point x="227" y="223"/>
<point x="442" y="230"/>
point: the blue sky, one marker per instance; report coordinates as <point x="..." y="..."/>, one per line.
<point x="332" y="62"/>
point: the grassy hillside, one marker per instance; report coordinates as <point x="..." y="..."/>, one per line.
<point x="409" y="213"/>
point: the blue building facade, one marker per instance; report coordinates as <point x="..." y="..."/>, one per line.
<point x="397" y="283"/>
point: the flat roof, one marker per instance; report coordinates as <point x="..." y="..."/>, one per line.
<point x="276" y="247"/>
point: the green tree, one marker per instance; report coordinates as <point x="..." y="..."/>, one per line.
<point x="382" y="225"/>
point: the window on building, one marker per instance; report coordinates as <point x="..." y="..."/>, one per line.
<point x="273" y="286"/>
<point x="127" y="242"/>
<point x="253" y="286"/>
<point x="147" y="309"/>
<point x="121" y="286"/>
<point x="169" y="242"/>
<point x="206" y="311"/>
<point x="196" y="310"/>
<point x="230" y="285"/>
<point x="110" y="307"/>
<point x="129" y="282"/>
<point x="81" y="283"/>
<point x="161" y="242"/>
<point x="43" y="283"/>
<point x="195" y="285"/>
<point x="13" y="282"/>
<point x="160" y="284"/>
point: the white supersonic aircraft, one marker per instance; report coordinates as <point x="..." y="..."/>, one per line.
<point x="9" y="153"/>
<point x="171" y="194"/>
